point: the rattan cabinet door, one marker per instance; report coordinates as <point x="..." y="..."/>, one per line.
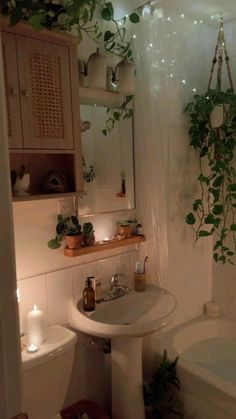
<point x="12" y="90"/>
<point x="45" y="92"/>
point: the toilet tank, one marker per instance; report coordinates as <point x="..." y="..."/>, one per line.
<point x="46" y="373"/>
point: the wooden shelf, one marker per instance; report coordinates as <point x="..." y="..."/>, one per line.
<point x="105" y="98"/>
<point x="47" y="196"/>
<point x="103" y="246"/>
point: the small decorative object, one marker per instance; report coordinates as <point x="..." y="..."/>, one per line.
<point x="122" y="193"/>
<point x="68" y="227"/>
<point x="213" y="135"/>
<point x="139" y="229"/>
<point x="22" y="182"/>
<point x="139" y="276"/>
<point x="35" y="328"/>
<point x="55" y="182"/>
<point x="124" y="229"/>
<point x="96" y="70"/>
<point x="126" y="77"/>
<point x="88" y="234"/>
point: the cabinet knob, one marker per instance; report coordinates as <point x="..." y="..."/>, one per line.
<point x="25" y="93"/>
<point x="14" y="92"/>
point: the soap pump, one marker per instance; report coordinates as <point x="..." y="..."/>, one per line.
<point x="88" y="295"/>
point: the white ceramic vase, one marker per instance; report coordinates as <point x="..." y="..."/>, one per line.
<point x="97" y="70"/>
<point x="126" y="77"/>
<point x="21" y="185"/>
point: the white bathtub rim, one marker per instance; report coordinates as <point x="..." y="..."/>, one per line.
<point x="167" y="342"/>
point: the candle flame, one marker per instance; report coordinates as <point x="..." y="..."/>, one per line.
<point x="35" y="308"/>
<point x="18" y="295"/>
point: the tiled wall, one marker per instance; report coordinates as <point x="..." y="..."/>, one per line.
<point x="51" y="292"/>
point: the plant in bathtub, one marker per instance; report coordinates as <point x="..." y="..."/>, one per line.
<point x="213" y="210"/>
<point x="160" y="397"/>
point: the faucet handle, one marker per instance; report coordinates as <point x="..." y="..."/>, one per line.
<point x="114" y="281"/>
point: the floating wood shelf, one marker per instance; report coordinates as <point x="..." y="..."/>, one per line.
<point x="113" y="244"/>
<point x="90" y="96"/>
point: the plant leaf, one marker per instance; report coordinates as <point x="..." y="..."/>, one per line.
<point x="190" y="219"/>
<point x="134" y="18"/>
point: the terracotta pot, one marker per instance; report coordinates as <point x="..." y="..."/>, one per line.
<point x="74" y="242"/>
<point x="89" y="240"/>
<point x="124" y="231"/>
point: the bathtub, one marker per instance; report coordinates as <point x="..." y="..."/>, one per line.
<point x="207" y="366"/>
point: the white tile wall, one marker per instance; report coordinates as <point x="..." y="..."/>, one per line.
<point x="52" y="292"/>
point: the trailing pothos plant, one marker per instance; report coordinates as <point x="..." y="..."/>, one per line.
<point x="117" y="114"/>
<point x="65" y="15"/>
<point x="213" y="213"/>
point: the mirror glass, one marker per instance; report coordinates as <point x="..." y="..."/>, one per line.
<point x="108" y="163"/>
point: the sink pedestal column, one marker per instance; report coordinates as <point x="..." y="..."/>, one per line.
<point x="127" y="378"/>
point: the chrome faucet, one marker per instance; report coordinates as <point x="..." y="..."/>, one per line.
<point x="114" y="280"/>
<point x="116" y="290"/>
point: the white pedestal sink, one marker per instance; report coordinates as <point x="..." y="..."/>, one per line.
<point x="125" y="321"/>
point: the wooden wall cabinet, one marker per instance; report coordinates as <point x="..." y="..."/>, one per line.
<point x="42" y="97"/>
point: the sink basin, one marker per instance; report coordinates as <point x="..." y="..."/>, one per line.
<point x="126" y="320"/>
<point x="135" y="314"/>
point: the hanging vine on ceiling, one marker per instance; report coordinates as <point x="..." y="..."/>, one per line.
<point x="213" y="134"/>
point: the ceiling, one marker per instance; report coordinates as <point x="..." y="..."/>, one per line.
<point x="200" y="9"/>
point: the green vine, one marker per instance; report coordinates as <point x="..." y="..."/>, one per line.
<point x="115" y="115"/>
<point x="213" y="213"/>
<point x="65" y="15"/>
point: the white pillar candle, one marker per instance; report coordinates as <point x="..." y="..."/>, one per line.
<point x="35" y="327"/>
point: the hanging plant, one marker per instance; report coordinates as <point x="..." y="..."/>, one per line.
<point x="213" y="135"/>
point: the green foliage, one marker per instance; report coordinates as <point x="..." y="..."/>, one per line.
<point x="67" y="14"/>
<point x="115" y="115"/>
<point x="160" y="392"/>
<point x="66" y="226"/>
<point x="213" y="213"/>
<point x="88" y="172"/>
<point x="88" y="229"/>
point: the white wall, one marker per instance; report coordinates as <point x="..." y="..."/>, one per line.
<point x="173" y="57"/>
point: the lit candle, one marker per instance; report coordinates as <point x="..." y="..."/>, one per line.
<point x="35" y="326"/>
<point x="32" y="348"/>
<point x="106" y="239"/>
<point x="19" y="312"/>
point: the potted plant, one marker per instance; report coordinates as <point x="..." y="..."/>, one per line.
<point x="69" y="228"/>
<point x="160" y="397"/>
<point x="213" y="136"/>
<point x="88" y="234"/>
<point x="213" y="212"/>
<point x="124" y="228"/>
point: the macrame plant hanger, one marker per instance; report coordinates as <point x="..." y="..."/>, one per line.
<point x="221" y="54"/>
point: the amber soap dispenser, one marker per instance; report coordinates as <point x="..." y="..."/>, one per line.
<point x="89" y="295"/>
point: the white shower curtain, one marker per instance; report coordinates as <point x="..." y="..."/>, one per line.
<point x="151" y="142"/>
